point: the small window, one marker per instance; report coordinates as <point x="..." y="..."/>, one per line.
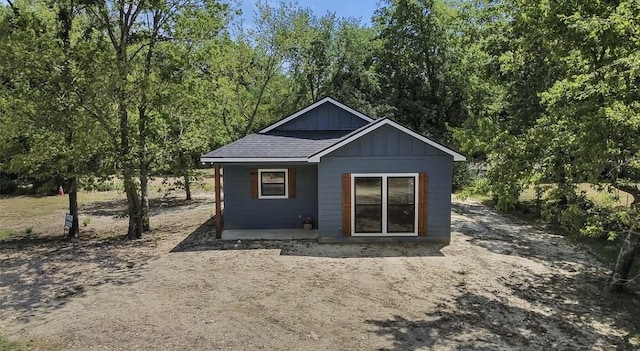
<point x="273" y="183"/>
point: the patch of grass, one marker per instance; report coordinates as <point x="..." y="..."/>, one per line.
<point x="6" y="234"/>
<point x="606" y="251"/>
<point x="24" y="345"/>
<point x="606" y="196"/>
<point x="42" y="212"/>
<point x="206" y="187"/>
<point x="86" y="221"/>
<point x="8" y="345"/>
<point x="479" y="197"/>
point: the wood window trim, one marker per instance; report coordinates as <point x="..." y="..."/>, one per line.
<point x="346" y="204"/>
<point x="291" y="181"/>
<point x="423" y="203"/>
<point x="285" y="171"/>
<point x="384" y="177"/>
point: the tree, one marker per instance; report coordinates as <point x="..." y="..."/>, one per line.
<point x="253" y="87"/>
<point x="570" y="74"/>
<point x="186" y="23"/>
<point x="44" y="122"/>
<point x="333" y="57"/>
<point x="596" y="104"/>
<point x="186" y="99"/>
<point x="417" y="65"/>
<point x="135" y="30"/>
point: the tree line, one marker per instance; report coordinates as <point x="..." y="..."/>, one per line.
<point x="546" y="93"/>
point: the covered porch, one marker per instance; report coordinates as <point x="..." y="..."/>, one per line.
<point x="243" y="211"/>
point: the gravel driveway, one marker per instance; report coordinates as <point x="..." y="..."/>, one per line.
<point x="500" y="284"/>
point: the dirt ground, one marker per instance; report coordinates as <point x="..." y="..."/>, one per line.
<point x="500" y="284"/>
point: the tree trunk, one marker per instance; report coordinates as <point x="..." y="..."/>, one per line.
<point x="65" y="17"/>
<point x="624" y="262"/>
<point x="185" y="166"/>
<point x="133" y="201"/>
<point x="118" y="28"/>
<point x="144" y="163"/>
<point x="630" y="246"/>
<point x="74" y="230"/>
<point x="143" y="120"/>
<point x="187" y="184"/>
<point x="133" y="206"/>
<point x="144" y="192"/>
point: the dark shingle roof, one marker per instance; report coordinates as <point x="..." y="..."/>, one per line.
<point x="280" y="144"/>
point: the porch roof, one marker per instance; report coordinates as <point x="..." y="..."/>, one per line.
<point x="275" y="145"/>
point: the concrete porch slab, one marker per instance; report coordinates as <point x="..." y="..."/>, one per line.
<point x="268" y="234"/>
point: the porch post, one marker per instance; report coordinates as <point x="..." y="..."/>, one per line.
<point x="218" y="204"/>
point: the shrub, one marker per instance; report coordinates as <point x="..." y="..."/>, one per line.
<point x="7" y="186"/>
<point x="479" y="186"/>
<point x="462" y="176"/>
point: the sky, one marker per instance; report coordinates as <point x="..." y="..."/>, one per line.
<point x="360" y="9"/>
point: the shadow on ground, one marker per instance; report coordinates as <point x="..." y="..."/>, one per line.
<point x="509" y="236"/>
<point x="475" y="322"/>
<point x="118" y="207"/>
<point x="39" y="275"/>
<point x="572" y="292"/>
<point x="203" y="239"/>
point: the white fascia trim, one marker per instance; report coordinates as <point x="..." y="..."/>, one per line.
<point x="311" y="107"/>
<point x="251" y="160"/>
<point x="456" y="156"/>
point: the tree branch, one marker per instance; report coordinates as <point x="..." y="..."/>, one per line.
<point x="632" y="190"/>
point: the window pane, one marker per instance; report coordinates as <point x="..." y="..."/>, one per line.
<point x="401" y="204"/>
<point x="272" y="177"/>
<point x="368" y="204"/>
<point x="273" y="190"/>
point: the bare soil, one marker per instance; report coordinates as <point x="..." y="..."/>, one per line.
<point x="500" y="284"/>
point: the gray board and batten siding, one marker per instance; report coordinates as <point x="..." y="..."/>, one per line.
<point x="242" y="211"/>
<point x="386" y="150"/>
<point x="324" y="117"/>
<point x="387" y="141"/>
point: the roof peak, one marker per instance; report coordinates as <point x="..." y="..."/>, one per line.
<point x="313" y="106"/>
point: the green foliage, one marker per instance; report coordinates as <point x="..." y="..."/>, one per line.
<point x="565" y="109"/>
<point x="8" y="345"/>
<point x="100" y="184"/>
<point x="463" y="176"/>
<point x="7" y="186"/>
<point x="424" y="63"/>
<point x="45" y="128"/>
<point x="479" y="186"/>
<point x="86" y="221"/>
<point x="6" y="234"/>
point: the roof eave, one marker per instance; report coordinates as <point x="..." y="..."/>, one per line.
<point x="252" y="159"/>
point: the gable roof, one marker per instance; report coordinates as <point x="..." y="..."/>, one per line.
<point x="313" y="106"/>
<point x="271" y="145"/>
<point x="356" y="134"/>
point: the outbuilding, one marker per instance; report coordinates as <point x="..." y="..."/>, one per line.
<point x="346" y="175"/>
